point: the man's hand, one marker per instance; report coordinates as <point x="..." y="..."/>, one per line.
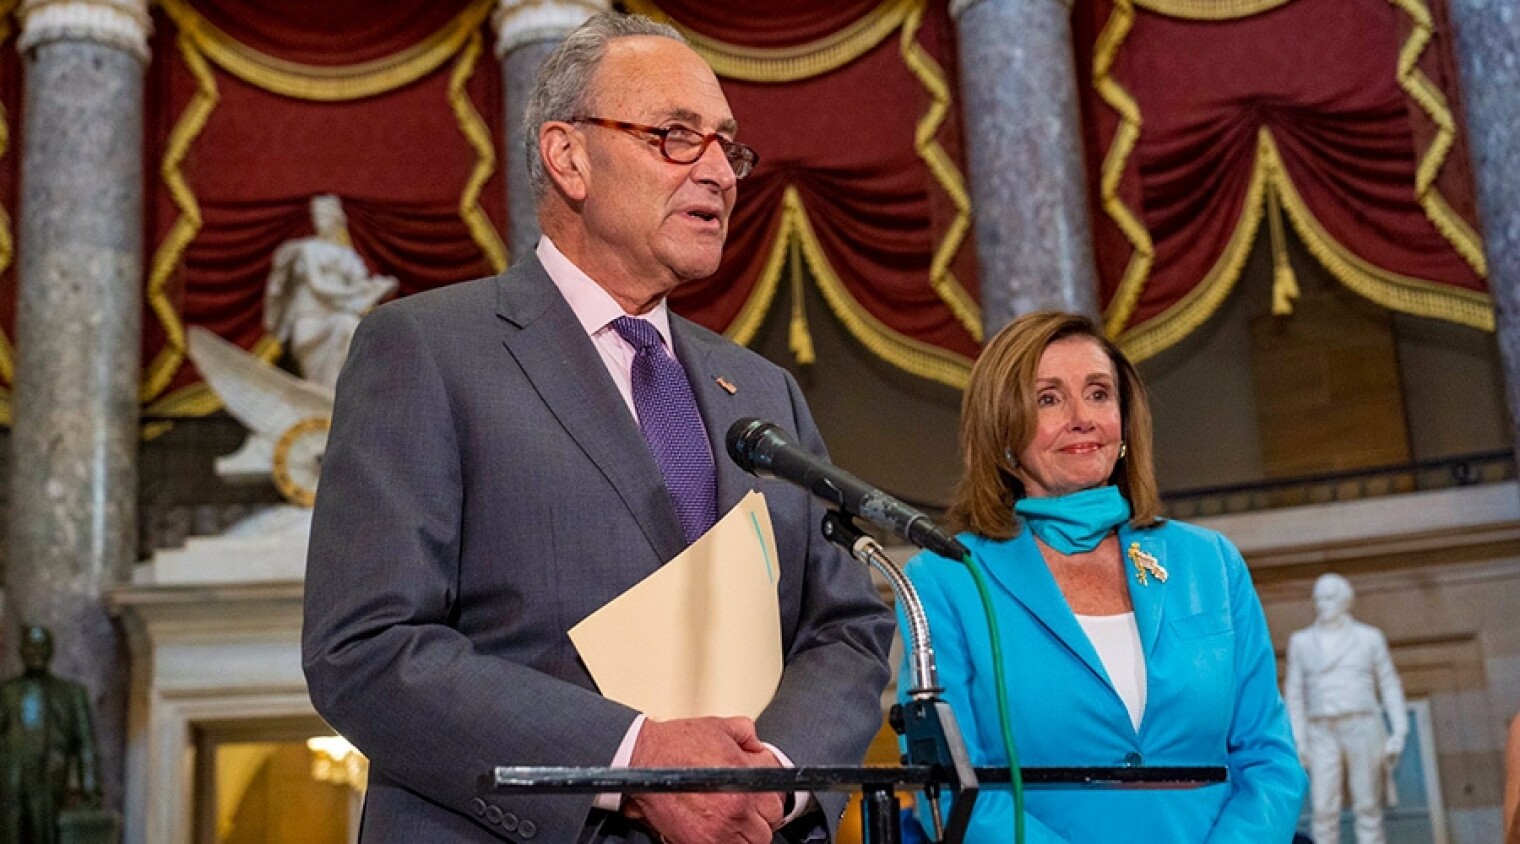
<point x="698" y="818"/>
<point x="1392" y="748"/>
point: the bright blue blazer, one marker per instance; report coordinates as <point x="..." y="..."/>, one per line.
<point x="1211" y="693"/>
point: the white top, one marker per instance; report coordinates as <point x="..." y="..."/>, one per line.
<point x="1116" y="638"/>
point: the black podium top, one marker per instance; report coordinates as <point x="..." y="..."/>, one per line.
<point x="550" y="780"/>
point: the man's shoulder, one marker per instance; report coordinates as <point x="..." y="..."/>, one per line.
<point x="451" y="298"/>
<point x="733" y="354"/>
<point x="1367" y="631"/>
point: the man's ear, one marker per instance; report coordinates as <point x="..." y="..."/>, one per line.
<point x="565" y="160"/>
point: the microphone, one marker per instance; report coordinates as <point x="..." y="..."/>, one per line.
<point x="764" y="450"/>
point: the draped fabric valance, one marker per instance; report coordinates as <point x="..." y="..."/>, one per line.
<point x="1343" y="116"/>
<point x="254" y="107"/>
<point x="851" y="107"/>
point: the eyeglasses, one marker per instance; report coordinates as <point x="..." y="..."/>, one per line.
<point x="681" y="145"/>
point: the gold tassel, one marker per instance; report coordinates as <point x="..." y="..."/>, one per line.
<point x="1284" y="283"/>
<point x="801" y="341"/>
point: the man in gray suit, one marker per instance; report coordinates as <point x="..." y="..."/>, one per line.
<point x="510" y="454"/>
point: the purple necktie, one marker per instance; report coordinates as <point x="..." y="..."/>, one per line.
<point x="672" y="426"/>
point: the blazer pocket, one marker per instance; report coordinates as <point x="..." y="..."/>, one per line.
<point x="1198" y="625"/>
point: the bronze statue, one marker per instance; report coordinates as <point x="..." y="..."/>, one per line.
<point x="45" y="732"/>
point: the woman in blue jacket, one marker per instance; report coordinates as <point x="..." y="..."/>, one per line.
<point x="1127" y="639"/>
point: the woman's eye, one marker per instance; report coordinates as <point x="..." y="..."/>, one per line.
<point x="1046" y="400"/>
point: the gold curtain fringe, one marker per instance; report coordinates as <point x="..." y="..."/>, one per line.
<point x="746" y="324"/>
<point x="7" y="243"/>
<point x="1270" y="182"/>
<point x="478" y="135"/>
<point x="794" y="232"/>
<point x="323" y="83"/>
<point x="186" y="226"/>
<point x="1433" y="102"/>
<point x="790" y="64"/>
<point x="1138" y="271"/>
<point x="1210" y="10"/>
<point x="464" y="40"/>
<point x="1391" y="290"/>
<point x="800" y="341"/>
<point x="1270" y="188"/>
<point x="1200" y="303"/>
<point x="1284" y="284"/>
<point x="906" y="353"/>
<point x="932" y="77"/>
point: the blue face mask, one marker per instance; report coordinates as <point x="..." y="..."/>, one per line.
<point x="1077" y="522"/>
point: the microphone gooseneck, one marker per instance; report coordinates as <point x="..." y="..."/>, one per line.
<point x="765" y="450"/>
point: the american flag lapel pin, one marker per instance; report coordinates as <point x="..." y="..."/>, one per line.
<point x="727" y="385"/>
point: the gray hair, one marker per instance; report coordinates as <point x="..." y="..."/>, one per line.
<point x="564" y="79"/>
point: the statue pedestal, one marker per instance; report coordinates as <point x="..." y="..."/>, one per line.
<point x="268" y="547"/>
<point x="88" y="826"/>
<point x="215" y="636"/>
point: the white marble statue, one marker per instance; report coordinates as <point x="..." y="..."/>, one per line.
<point x="318" y="290"/>
<point x="1340" y="683"/>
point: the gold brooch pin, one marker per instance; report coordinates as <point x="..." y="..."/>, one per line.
<point x="1145" y="565"/>
<point x="726" y="385"/>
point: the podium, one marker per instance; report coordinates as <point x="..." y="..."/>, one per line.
<point x="880" y="822"/>
<point x="935" y="758"/>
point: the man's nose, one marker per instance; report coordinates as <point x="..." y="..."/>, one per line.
<point x="712" y="167"/>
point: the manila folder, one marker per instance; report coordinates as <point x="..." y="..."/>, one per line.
<point x="700" y="636"/>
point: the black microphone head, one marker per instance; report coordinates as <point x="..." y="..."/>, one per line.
<point x="750" y="442"/>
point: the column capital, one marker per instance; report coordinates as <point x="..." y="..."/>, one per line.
<point x="123" y="24"/>
<point x="520" y="22"/>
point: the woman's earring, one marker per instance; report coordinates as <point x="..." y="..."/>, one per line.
<point x="1012" y="462"/>
<point x="1123" y="449"/>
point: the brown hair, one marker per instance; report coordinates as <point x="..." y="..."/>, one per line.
<point x="997" y="417"/>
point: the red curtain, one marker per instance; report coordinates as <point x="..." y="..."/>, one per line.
<point x="1322" y="78"/>
<point x="845" y="141"/>
<point x="10" y="194"/>
<point x="399" y="160"/>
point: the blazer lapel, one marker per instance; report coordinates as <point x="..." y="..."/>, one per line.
<point x="1025" y="576"/>
<point x="1149" y="598"/>
<point x="554" y="352"/>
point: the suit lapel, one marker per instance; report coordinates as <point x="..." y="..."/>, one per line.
<point x="1026" y="577"/>
<point x="703" y="356"/>
<point x="555" y="354"/>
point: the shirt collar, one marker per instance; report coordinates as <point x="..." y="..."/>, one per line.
<point x="593" y="306"/>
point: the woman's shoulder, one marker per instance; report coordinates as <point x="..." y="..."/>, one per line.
<point x="1173" y="530"/>
<point x="930" y="564"/>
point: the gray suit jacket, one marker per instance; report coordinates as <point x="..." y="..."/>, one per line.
<point x="484" y="488"/>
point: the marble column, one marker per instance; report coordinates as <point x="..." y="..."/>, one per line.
<point x="1024" y="139"/>
<point x="1488" y="53"/>
<point x="526" y="32"/>
<point x="73" y="485"/>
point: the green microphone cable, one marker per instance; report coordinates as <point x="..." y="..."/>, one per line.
<point x="1015" y="776"/>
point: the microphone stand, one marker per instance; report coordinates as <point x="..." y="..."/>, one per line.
<point x="926" y="722"/>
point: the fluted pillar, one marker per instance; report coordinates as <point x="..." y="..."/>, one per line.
<point x="73" y="494"/>
<point x="1488" y="52"/>
<point x="1024" y="139"/>
<point x="526" y="32"/>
